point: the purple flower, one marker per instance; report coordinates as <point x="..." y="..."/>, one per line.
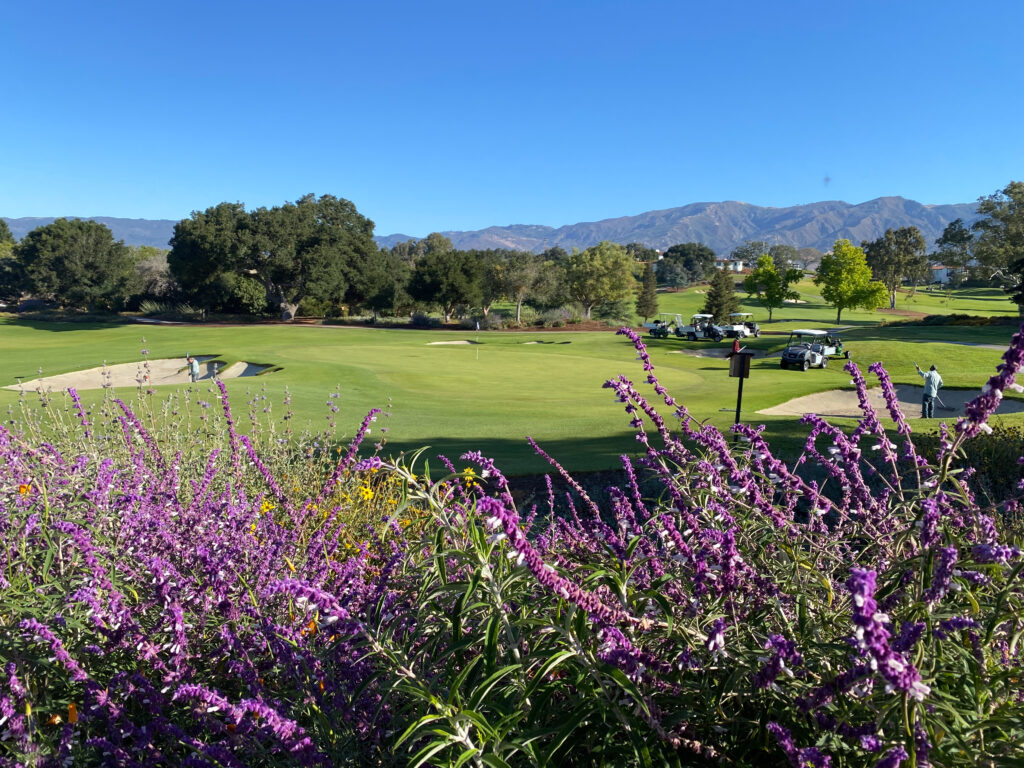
<point x="808" y="757"/>
<point x="784" y="656"/>
<point x="980" y="408"/>
<point x="872" y="638"/>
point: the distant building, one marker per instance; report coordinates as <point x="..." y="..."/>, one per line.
<point x="730" y="265"/>
<point x="940" y="274"/>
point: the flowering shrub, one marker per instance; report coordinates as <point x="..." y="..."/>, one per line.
<point x="854" y="607"/>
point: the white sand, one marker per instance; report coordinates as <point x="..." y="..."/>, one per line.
<point x="144" y="373"/>
<point x="449" y="343"/>
<point x="720" y="352"/>
<point x="844" y="403"/>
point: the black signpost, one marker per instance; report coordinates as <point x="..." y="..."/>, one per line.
<point x="739" y="367"/>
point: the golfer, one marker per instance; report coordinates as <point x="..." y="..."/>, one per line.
<point x="932" y="382"/>
<point x="193" y="369"/>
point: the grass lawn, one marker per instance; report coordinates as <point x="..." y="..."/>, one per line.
<point x="489" y="396"/>
<point x="969" y="301"/>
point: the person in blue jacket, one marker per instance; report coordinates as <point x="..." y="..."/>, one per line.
<point x="932" y="382"/>
<point x="193" y="368"/>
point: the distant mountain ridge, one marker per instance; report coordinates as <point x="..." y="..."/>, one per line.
<point x="726" y="225"/>
<point x="721" y="226"/>
<point x="155" y="232"/>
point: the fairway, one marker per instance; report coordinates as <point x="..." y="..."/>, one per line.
<point x="492" y="389"/>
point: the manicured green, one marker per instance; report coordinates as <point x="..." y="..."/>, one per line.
<point x="489" y="396"/>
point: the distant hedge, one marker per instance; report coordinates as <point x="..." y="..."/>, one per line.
<point x="960" y="320"/>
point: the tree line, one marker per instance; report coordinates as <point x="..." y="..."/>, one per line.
<point x="317" y="256"/>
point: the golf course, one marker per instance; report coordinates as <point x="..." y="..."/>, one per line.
<point x="458" y="390"/>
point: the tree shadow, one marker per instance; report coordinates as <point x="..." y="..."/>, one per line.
<point x="515" y="457"/>
<point x="65" y="325"/>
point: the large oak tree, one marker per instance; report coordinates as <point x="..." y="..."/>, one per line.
<point x="315" y="248"/>
<point x="76" y="263"/>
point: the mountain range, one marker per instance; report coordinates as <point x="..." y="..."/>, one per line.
<point x="721" y="226"/>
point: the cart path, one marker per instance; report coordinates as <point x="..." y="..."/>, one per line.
<point x="844" y="403"/>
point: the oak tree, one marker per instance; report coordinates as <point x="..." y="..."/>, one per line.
<point x="76" y="263"/>
<point x="845" y="279"/>
<point x="602" y="273"/>
<point x="771" y="284"/>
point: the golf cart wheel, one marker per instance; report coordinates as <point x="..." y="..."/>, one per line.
<point x="846" y="354"/>
<point x="782" y="365"/>
<point x="718" y="337"/>
<point x="757" y="333"/>
<point x="824" y="362"/>
<point x="807" y="364"/>
<point x="691" y="336"/>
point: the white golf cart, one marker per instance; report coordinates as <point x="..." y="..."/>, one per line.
<point x="741" y="326"/>
<point x="811" y="349"/>
<point x="664" y="324"/>
<point x="701" y="327"/>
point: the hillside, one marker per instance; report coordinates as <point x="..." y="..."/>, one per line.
<point x="723" y="226"/>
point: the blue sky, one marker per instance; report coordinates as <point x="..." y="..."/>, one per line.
<point x="456" y="116"/>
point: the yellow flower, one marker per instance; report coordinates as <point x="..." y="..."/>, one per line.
<point x="72" y="712"/>
<point x="24" y="488"/>
<point x="266" y="506"/>
<point x="366" y="492"/>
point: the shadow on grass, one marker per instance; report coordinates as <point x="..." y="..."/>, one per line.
<point x="65" y="325"/>
<point x="940" y="334"/>
<point x="515" y="457"/>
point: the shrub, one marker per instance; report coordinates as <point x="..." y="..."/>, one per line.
<point x="422" y="320"/>
<point x="553" y="318"/>
<point x="274" y="604"/>
<point x="170" y="310"/>
<point x="527" y="315"/>
<point x="492" y="321"/>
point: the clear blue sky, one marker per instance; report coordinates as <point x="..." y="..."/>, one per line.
<point x="443" y="115"/>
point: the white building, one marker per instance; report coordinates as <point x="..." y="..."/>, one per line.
<point x="730" y="265"/>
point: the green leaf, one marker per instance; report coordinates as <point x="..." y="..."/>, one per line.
<point x="487" y="685"/>
<point x="429" y="751"/>
<point x="453" y="694"/>
<point x="494" y="761"/>
<point x="546" y="669"/>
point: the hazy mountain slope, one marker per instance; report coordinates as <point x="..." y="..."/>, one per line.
<point x="155" y="232"/>
<point x="722" y="226"/>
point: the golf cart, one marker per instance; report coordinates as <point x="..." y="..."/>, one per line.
<point x="700" y="327"/>
<point x="664" y="324"/>
<point x="811" y="349"/>
<point x="742" y="326"/>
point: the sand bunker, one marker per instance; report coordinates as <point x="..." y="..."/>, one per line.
<point x="545" y="342"/>
<point x="449" y="343"/>
<point x="148" y="373"/>
<point x="721" y="352"/>
<point x="844" y="403"/>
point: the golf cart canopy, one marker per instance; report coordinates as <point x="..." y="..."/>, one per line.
<point x="702" y="316"/>
<point x="741" y="314"/>
<point x="805" y="332"/>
